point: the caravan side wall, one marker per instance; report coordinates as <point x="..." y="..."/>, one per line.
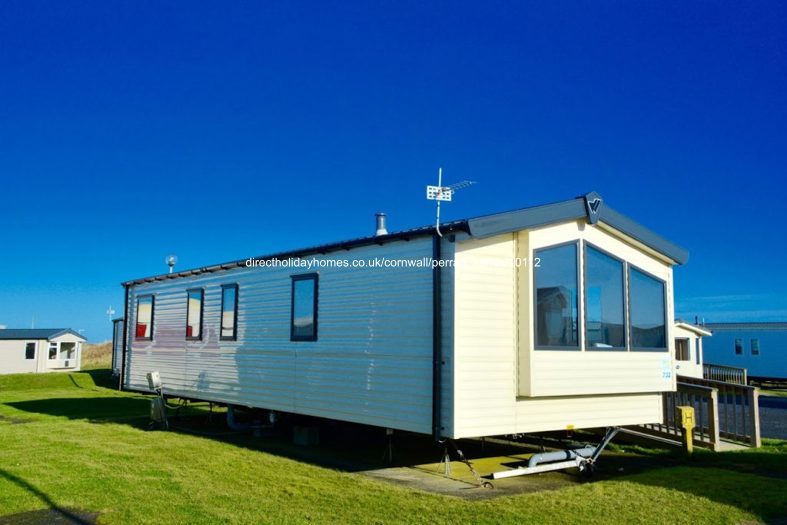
<point x="371" y="363"/>
<point x="503" y="386"/>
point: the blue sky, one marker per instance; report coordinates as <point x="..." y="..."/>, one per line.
<point x="218" y="131"/>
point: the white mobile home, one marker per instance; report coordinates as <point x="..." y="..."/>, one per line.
<point x="38" y="350"/>
<point x="545" y="318"/>
<point x="688" y="348"/>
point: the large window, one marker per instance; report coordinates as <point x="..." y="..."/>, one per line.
<point x="556" y="297"/>
<point x="604" y="312"/>
<point x="648" y="315"/>
<point x="303" y="318"/>
<point x="68" y="351"/>
<point x="30" y="350"/>
<point x="144" y="328"/>
<point x="229" y="312"/>
<point x="194" y="314"/>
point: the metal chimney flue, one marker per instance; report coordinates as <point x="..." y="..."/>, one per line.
<point x="381" y="230"/>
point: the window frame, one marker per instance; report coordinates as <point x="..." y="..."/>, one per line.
<point x="234" y="336"/>
<point x="578" y="348"/>
<point x="687" y="341"/>
<point x="56" y="348"/>
<point x="630" y="341"/>
<point x="294" y="279"/>
<point x="152" y="316"/>
<point x="201" y="313"/>
<point x="752" y="346"/>
<point x="624" y="298"/>
<point x="738" y="345"/>
<point x="35" y="350"/>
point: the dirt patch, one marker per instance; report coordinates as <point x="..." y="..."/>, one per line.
<point x="50" y="516"/>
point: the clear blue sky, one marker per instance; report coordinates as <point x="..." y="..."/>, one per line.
<point x="221" y="130"/>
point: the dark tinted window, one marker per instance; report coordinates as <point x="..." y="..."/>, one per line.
<point x="648" y="316"/>
<point x="303" y="320"/>
<point x="229" y="311"/>
<point x="604" y="318"/>
<point x="194" y="314"/>
<point x="30" y="351"/>
<point x="144" y="328"/>
<point x="556" y="297"/>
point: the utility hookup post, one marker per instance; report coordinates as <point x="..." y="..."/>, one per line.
<point x="685" y="415"/>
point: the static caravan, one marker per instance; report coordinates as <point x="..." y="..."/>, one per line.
<point x="545" y="318"/>
<point x="40" y="350"/>
<point x="759" y="347"/>
<point x="688" y="348"/>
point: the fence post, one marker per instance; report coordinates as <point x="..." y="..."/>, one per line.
<point x="754" y="417"/>
<point x="713" y="420"/>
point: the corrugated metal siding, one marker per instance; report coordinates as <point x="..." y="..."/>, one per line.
<point x="117" y="345"/>
<point x="372" y="363"/>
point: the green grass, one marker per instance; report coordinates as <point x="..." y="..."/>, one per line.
<point x="775" y="393"/>
<point x="75" y="444"/>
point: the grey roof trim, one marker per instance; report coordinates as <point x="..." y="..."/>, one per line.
<point x="699" y="330"/>
<point x="9" y="334"/>
<point x="767" y="326"/>
<point x="647" y="237"/>
<point x="405" y="235"/>
<point x="575" y="209"/>
<point x="590" y="206"/>
<point x="526" y="218"/>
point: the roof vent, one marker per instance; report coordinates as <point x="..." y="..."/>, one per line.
<point x="381" y="230"/>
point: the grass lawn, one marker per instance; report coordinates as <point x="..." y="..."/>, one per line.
<point x="67" y="443"/>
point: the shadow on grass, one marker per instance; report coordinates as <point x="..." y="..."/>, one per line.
<point x="98" y="409"/>
<point x="357" y="448"/>
<point x="57" y="514"/>
<point x="102" y="377"/>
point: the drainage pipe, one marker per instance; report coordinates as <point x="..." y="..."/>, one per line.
<point x="585" y="452"/>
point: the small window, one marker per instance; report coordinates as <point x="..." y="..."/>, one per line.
<point x="604" y="318"/>
<point x="647" y="311"/>
<point x="145" y="306"/>
<point x="303" y="315"/>
<point x="739" y="347"/>
<point x="194" y="314"/>
<point x="52" y="350"/>
<point x="755" y="347"/>
<point x="229" y="312"/>
<point x="30" y="351"/>
<point x="698" y="350"/>
<point x="556" y="297"/>
<point x="681" y="349"/>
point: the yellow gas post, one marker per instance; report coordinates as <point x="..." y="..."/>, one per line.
<point x="686" y="417"/>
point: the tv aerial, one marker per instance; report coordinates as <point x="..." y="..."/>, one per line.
<point x="171" y="261"/>
<point x="442" y="193"/>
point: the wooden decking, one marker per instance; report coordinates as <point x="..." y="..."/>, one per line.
<point x="726" y="414"/>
